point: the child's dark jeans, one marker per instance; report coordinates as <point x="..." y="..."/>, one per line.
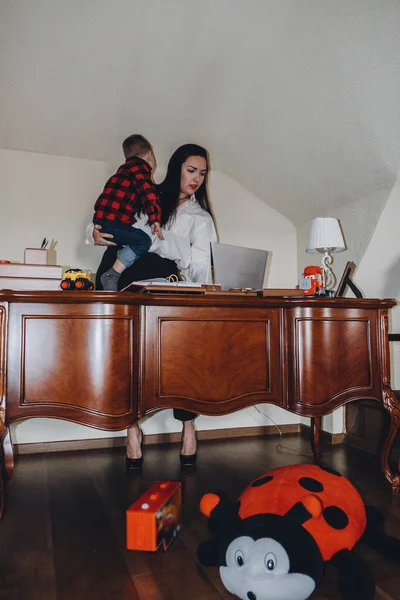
<point x="135" y="241"/>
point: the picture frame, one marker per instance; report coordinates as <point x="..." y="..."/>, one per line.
<point x="346" y="281"/>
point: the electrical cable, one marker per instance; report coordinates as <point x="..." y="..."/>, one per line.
<point x="280" y="447"/>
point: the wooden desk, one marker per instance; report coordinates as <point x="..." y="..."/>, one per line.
<point x="107" y="359"/>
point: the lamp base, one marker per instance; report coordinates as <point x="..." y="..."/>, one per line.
<point x="329" y="275"/>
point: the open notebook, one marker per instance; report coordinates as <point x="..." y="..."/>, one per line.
<point x="158" y="282"/>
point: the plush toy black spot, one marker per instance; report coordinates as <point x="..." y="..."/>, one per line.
<point x="273" y="542"/>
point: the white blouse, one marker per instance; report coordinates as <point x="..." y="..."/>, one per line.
<point x="186" y="241"/>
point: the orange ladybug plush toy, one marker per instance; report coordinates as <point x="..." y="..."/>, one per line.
<point x="273" y="542"/>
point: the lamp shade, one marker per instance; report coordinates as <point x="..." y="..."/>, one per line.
<point x="325" y="234"/>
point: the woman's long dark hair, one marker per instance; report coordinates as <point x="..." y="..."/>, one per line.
<point x="170" y="188"/>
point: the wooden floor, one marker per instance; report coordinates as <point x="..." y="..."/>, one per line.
<point x="63" y="535"/>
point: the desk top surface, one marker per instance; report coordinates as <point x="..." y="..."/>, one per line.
<point x="181" y="299"/>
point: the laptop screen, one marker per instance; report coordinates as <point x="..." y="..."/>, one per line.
<point x="238" y="267"/>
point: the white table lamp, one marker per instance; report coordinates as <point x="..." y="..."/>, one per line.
<point x="326" y="237"/>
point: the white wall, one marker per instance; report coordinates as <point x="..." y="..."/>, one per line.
<point x="358" y="221"/>
<point x="52" y="196"/>
<point x="378" y="274"/>
<point x="245" y="220"/>
<point x="48" y="196"/>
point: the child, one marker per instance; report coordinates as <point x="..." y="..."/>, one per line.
<point x="130" y="191"/>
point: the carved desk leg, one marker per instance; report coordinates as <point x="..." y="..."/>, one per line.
<point x="3" y="429"/>
<point x="392" y="405"/>
<point x="6" y="461"/>
<point x="2" y="482"/>
<point x="316" y="431"/>
<point x="6" y="458"/>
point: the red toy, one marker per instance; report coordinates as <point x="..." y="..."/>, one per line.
<point x="275" y="540"/>
<point x="312" y="281"/>
<point x="154" y="519"/>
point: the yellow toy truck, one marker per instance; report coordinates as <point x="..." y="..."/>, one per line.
<point x="76" y="279"/>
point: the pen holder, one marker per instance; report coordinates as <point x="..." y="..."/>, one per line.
<point x="39" y="256"/>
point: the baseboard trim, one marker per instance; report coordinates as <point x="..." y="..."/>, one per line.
<point x="327" y="438"/>
<point x="155" y="438"/>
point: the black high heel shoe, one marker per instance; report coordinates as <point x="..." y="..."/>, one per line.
<point x="135" y="464"/>
<point x="188" y="460"/>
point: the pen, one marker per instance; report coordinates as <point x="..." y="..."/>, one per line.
<point x="43" y="243"/>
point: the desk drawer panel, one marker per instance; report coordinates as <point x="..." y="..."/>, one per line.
<point x="333" y="357"/>
<point x="216" y="357"/>
<point x="77" y="358"/>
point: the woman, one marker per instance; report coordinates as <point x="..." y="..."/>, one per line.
<point x="188" y="230"/>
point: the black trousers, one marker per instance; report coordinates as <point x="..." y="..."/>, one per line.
<point x="148" y="266"/>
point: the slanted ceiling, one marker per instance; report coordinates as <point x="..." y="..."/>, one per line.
<point x="297" y="100"/>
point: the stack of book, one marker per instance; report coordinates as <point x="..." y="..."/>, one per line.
<point x="19" y="276"/>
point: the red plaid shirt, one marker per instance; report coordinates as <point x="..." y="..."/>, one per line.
<point x="128" y="192"/>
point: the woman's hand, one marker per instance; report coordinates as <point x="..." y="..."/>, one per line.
<point x="156" y="230"/>
<point x="102" y="239"/>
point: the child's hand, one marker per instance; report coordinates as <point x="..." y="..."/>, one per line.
<point x="156" y="230"/>
<point x="102" y="239"/>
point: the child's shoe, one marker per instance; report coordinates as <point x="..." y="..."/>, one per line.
<point x="109" y="280"/>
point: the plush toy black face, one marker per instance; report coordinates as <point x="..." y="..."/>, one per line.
<point x="259" y="570"/>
